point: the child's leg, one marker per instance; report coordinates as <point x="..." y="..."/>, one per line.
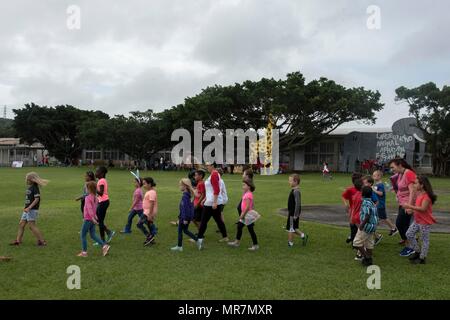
<point x="20" y="232"/>
<point x="152" y="227"/>
<point x="388" y="223"/>
<point x="91" y="228"/>
<point x="83" y="234"/>
<point x="240" y="226"/>
<point x="188" y="233"/>
<point x="101" y="212"/>
<point x="411" y="236"/>
<point x="425" y="233"/>
<point x="353" y="231"/>
<point x="251" y="230"/>
<point x="299" y="233"/>
<point x="34" y="229"/>
<point x="141" y="225"/>
<point x="180" y="233"/>
<point x="131" y="215"/>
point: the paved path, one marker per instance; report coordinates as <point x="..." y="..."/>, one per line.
<point x="335" y="215"/>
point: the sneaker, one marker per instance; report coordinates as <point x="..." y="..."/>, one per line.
<point x="414" y="256"/>
<point x="290" y="244"/>
<point x="96" y="244"/>
<point x="367" y="262"/>
<point x="177" y="248"/>
<point x="192" y="240"/>
<point x="419" y="261"/>
<point x="15" y="243"/>
<point x="348" y="240"/>
<point x="305" y="239"/>
<point x="105" y="249"/>
<point x="254" y="247"/>
<point x="359" y="257"/>
<point x="393" y="232"/>
<point x="42" y="243"/>
<point x="234" y="244"/>
<point x="402" y="242"/>
<point x="82" y="254"/>
<point x="406" y="252"/>
<point x="149" y="240"/>
<point x="200" y="244"/>
<point x="110" y="236"/>
<point x="125" y="232"/>
<point x="378" y="239"/>
<point x="224" y="239"/>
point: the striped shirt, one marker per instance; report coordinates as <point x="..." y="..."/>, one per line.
<point x="368" y="208"/>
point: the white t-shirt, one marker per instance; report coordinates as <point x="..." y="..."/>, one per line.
<point x="222" y="197"/>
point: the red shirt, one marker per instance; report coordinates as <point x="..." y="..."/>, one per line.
<point x="427" y="216"/>
<point x="348" y="194"/>
<point x="355" y="207"/>
<point x="199" y="191"/>
<point x="215" y="182"/>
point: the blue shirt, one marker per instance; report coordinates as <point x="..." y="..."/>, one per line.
<point x="381" y="199"/>
<point x="368" y="209"/>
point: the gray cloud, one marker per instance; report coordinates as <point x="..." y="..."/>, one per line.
<point x="152" y="54"/>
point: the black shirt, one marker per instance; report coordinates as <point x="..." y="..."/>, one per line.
<point x="294" y="203"/>
<point x="31" y="194"/>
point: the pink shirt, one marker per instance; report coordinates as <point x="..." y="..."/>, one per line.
<point x="104" y="183"/>
<point x="150" y="196"/>
<point x="137" y="199"/>
<point x="247" y="196"/>
<point x="90" y="207"/>
<point x="427" y="216"/>
<point x="404" y="180"/>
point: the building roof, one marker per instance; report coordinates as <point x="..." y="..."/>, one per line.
<point x="15" y="142"/>
<point x="345" y="131"/>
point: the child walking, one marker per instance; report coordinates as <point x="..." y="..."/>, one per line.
<point x="295" y="209"/>
<point x="200" y="194"/>
<point x="380" y="191"/>
<point x="90" y="220"/>
<point x="364" y="239"/>
<point x="351" y="207"/>
<point x="31" y="210"/>
<point x="103" y="204"/>
<point x="368" y="181"/>
<point x="247" y="204"/>
<point x="423" y="219"/>
<point x="186" y="213"/>
<point x="136" y="206"/>
<point x="89" y="176"/>
<point x="150" y="206"/>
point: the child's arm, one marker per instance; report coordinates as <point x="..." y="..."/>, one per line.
<point x="133" y="203"/>
<point x="363" y="223"/>
<point x="101" y="190"/>
<point x="298" y="205"/>
<point x="422" y="208"/>
<point x="32" y="205"/>
<point x="150" y="216"/>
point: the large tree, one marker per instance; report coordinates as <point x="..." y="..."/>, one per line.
<point x="57" y="128"/>
<point x="301" y="111"/>
<point x="6" y="128"/>
<point x="431" y="108"/>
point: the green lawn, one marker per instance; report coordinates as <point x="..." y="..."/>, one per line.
<point x="324" y="269"/>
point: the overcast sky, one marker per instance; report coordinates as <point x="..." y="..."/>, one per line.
<point x="135" y="55"/>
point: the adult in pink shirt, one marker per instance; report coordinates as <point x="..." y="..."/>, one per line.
<point x="103" y="203"/>
<point x="405" y="194"/>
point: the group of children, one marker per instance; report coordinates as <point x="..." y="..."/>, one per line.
<point x="365" y="203"/>
<point x="201" y="199"/>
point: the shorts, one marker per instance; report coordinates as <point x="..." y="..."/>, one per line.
<point x="292" y="224"/>
<point x="198" y="214"/>
<point x="382" y="215"/>
<point x="32" y="215"/>
<point x="364" y="239"/>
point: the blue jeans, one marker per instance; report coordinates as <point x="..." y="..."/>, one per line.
<point x="131" y="216"/>
<point x="89" y="226"/>
<point x="143" y="222"/>
<point x="184" y="228"/>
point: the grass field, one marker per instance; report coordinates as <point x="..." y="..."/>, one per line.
<point x="324" y="269"/>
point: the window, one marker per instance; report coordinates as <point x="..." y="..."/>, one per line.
<point x="311" y="159"/>
<point x="94" y="155"/>
<point x="327" y="147"/>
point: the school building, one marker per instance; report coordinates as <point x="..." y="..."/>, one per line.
<point x="11" y="150"/>
<point x="345" y="149"/>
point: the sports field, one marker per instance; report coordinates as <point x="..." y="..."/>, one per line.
<point x="324" y="269"/>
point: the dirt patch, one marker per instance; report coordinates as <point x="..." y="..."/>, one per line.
<point x="336" y="215"/>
